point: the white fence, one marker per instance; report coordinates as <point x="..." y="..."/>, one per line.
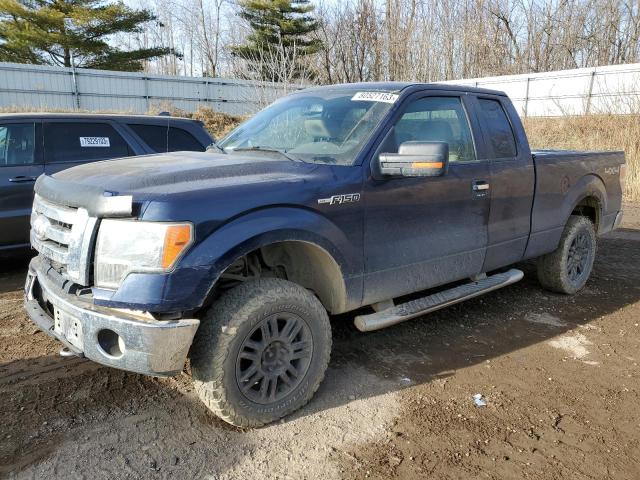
<point x="610" y="89"/>
<point x="37" y="87"/>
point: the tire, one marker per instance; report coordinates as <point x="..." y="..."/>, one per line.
<point x="251" y="344"/>
<point x="567" y="269"/>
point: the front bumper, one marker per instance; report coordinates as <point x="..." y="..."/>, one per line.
<point x="108" y="336"/>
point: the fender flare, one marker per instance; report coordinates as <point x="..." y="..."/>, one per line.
<point x="589" y="186"/>
<point x="265" y="227"/>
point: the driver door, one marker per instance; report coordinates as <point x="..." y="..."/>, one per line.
<point x="20" y="166"/>
<point x="421" y="232"/>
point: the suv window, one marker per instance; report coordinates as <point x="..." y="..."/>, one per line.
<point x="162" y="140"/>
<point x="155" y="136"/>
<point x="17" y="144"/>
<point x="74" y="142"/>
<point x="180" y="139"/>
<point x="500" y="133"/>
<point x="437" y="119"/>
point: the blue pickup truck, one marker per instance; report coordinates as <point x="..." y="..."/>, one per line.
<point x="332" y="199"/>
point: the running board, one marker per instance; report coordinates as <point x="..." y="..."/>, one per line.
<point x="420" y="306"/>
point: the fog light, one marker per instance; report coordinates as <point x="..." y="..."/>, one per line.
<point x="111" y="343"/>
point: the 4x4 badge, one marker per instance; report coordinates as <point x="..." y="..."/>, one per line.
<point x="340" y="199"/>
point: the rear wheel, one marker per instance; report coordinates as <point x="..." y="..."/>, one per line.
<point x="261" y="352"/>
<point x="567" y="269"/>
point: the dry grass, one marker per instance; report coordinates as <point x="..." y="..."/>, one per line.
<point x="593" y="132"/>
<point x="218" y="124"/>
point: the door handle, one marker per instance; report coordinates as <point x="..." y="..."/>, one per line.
<point x="480" y="185"/>
<point x="22" y="179"/>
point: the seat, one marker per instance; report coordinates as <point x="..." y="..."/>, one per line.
<point x="20" y="148"/>
<point x="437" y="131"/>
<point x="317" y="128"/>
<point x="423" y="131"/>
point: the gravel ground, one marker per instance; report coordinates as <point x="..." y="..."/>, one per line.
<point x="559" y="376"/>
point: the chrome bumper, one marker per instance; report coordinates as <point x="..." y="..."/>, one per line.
<point x="111" y="337"/>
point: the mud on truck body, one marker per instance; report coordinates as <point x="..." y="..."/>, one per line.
<point x="330" y="200"/>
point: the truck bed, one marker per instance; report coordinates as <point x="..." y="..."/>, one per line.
<point x="564" y="178"/>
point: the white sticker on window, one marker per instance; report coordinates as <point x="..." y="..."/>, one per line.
<point x="375" y="97"/>
<point x="95" y="142"/>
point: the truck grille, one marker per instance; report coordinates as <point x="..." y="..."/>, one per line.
<point x="63" y="235"/>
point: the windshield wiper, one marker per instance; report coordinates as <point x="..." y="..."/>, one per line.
<point x="267" y="149"/>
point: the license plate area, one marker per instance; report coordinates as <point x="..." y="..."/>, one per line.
<point x="69" y="327"/>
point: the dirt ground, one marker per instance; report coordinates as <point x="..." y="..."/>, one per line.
<point x="559" y="376"/>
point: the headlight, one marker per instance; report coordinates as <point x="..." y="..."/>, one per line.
<point x="130" y="246"/>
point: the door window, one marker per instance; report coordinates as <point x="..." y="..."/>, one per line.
<point x="500" y="134"/>
<point x="437" y="119"/>
<point x="82" y="142"/>
<point x="17" y="144"/>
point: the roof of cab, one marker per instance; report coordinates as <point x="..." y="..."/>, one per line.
<point x="399" y="86"/>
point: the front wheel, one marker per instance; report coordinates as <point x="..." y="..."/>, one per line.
<point x="567" y="269"/>
<point x="261" y="352"/>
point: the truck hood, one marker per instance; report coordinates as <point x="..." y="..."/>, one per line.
<point x="160" y="177"/>
<point x="180" y="171"/>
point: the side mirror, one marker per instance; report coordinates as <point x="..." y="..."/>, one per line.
<point x="416" y="159"/>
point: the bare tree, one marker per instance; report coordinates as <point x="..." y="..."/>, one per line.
<point x="426" y="40"/>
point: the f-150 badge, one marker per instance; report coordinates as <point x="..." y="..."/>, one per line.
<point x="340" y="199"/>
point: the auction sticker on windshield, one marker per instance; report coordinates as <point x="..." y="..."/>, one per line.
<point x="375" y="97"/>
<point x="94" y="142"/>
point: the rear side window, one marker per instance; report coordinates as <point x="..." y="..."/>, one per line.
<point x="17" y="144"/>
<point x="82" y="142"/>
<point x="180" y="139"/>
<point x="500" y="134"/>
<point x="161" y="139"/>
<point x="153" y="135"/>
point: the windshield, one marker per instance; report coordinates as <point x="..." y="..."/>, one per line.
<point x="318" y="126"/>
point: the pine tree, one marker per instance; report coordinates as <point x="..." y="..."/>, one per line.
<point x="280" y="37"/>
<point x="52" y="32"/>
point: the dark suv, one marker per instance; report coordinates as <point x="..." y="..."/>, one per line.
<point x="36" y="143"/>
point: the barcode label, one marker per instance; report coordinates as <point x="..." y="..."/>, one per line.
<point x="94" y="142"/>
<point x="375" y="97"/>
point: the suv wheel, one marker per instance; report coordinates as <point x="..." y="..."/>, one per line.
<point x="261" y="352"/>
